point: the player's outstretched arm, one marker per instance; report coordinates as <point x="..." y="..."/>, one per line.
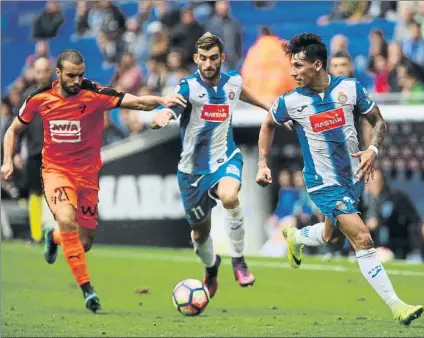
<point x="247" y="96"/>
<point x="368" y="157"/>
<point x="266" y="137"/>
<point x="10" y="139"/>
<point x="150" y="102"/>
<point x="161" y="119"/>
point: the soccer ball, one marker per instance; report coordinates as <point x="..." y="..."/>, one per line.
<point x="190" y="297"/>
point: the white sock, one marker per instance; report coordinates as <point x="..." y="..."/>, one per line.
<point x="311" y="235"/>
<point x="235" y="231"/>
<point x="375" y="274"/>
<point x="204" y="251"/>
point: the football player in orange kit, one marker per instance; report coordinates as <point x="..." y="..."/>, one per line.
<point x="72" y="112"/>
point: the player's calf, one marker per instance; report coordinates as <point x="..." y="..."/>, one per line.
<point x="74" y="252"/>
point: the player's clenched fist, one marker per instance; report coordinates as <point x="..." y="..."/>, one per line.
<point x="173" y="100"/>
<point x="264" y="177"/>
<point x="6" y="170"/>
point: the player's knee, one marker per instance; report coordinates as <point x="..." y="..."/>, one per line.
<point x="65" y="217"/>
<point x="363" y="240"/>
<point x="335" y="238"/>
<point x="86" y="243"/>
<point x="229" y="199"/>
<point x="201" y="235"/>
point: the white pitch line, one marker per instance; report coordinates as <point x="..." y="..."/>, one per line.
<point x="268" y="264"/>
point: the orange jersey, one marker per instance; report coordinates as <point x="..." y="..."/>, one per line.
<point x="73" y="125"/>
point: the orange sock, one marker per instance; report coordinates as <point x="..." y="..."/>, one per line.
<point x="56" y="237"/>
<point x="75" y="256"/>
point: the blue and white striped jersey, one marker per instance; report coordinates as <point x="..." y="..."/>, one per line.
<point x="325" y="128"/>
<point x="206" y="132"/>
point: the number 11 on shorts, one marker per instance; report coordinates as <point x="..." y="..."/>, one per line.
<point x="198" y="212"/>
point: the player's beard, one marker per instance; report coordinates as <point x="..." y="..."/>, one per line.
<point x="211" y="76"/>
<point x="69" y="90"/>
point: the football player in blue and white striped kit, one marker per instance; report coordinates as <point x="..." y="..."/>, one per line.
<point x="211" y="164"/>
<point x="323" y="108"/>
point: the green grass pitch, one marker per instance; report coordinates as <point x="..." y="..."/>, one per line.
<point x="320" y="299"/>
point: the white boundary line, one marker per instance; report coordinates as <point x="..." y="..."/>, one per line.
<point x="268" y="264"/>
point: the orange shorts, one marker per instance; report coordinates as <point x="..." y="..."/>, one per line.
<point x="81" y="192"/>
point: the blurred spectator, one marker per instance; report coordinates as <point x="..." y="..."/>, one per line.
<point x="406" y="16"/>
<point x="381" y="79"/>
<point x="341" y="64"/>
<point x="413" y="47"/>
<point x="81" y="17"/>
<point x="113" y="21"/>
<point x="136" y="41"/>
<point x="159" y="41"/>
<point x="228" y="29"/>
<point x="176" y="72"/>
<point x="128" y="76"/>
<point x="392" y="218"/>
<point x="383" y="9"/>
<point x="412" y="88"/>
<point x="395" y="56"/>
<point x="185" y="34"/>
<point x="157" y="75"/>
<point x="16" y="186"/>
<point x="6" y="117"/>
<point x="350" y="11"/>
<point x="266" y="68"/>
<point x="111" y="133"/>
<point x="33" y="136"/>
<point x="339" y="43"/>
<point x="168" y="13"/>
<point x="41" y="50"/>
<point x="378" y="46"/>
<point x="419" y="15"/>
<point x="47" y="24"/>
<point x="287" y="196"/>
<point x="109" y="25"/>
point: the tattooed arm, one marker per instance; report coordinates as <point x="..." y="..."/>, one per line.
<point x="379" y="126"/>
<point x="368" y="157"/>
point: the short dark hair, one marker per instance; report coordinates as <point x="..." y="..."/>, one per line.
<point x="311" y="45"/>
<point x="208" y="41"/>
<point x="341" y="54"/>
<point x="71" y="55"/>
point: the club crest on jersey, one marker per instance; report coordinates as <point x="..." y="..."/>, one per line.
<point x="231" y="95"/>
<point x="342" y="98"/>
<point x="215" y="112"/>
<point x="327" y="120"/>
<point x="232" y="169"/>
<point x="341" y="205"/>
<point x="64" y="131"/>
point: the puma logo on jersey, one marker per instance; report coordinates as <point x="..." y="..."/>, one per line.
<point x="328" y="120"/>
<point x="64" y="131"/>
